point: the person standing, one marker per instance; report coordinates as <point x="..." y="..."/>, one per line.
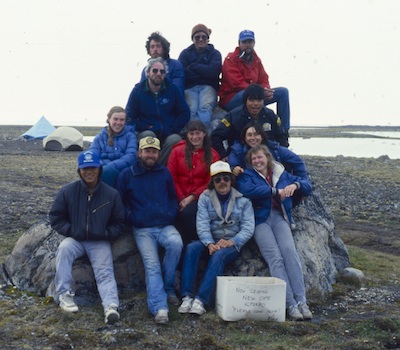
<point x="243" y="67"/>
<point x="158" y="46"/>
<point x="202" y="64"/>
<point x="189" y="164"/>
<point x="156" y="108"/>
<point x="270" y="189"/>
<point x="90" y="214"/>
<point x="148" y="194"/>
<point x="225" y="222"/>
<point x="116" y="144"/>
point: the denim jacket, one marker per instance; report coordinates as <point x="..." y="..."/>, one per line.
<point x="237" y="225"/>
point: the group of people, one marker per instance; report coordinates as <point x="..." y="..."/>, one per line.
<point x="157" y="168"/>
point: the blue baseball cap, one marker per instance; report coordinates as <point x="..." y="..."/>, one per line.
<point x="88" y="159"/>
<point x="246" y="35"/>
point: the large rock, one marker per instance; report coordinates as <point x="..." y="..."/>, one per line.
<point x="31" y="265"/>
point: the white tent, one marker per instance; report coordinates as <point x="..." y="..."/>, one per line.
<point x="40" y="130"/>
<point x="64" y="138"/>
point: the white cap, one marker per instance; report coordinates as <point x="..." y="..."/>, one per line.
<point x="219" y="167"/>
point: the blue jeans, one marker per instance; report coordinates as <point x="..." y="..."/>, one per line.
<point x="201" y="100"/>
<point x="281" y="97"/>
<point x="275" y="241"/>
<point x="101" y="259"/>
<point x="159" y="279"/>
<point x="215" y="267"/>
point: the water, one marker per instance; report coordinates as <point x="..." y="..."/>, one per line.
<point x="348" y="147"/>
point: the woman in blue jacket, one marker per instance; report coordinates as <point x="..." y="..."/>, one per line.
<point x="252" y="135"/>
<point x="270" y="189"/>
<point x="116" y="144"/>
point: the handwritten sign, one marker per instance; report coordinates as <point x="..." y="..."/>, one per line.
<point x="257" y="298"/>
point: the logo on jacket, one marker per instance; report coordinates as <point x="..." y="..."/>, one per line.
<point x="267" y="127"/>
<point x="164" y="101"/>
<point x="226" y="123"/>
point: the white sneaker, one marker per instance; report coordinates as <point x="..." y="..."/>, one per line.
<point x="305" y="311"/>
<point x="67" y="302"/>
<point x="186" y="305"/>
<point x="197" y="308"/>
<point x="111" y="314"/>
<point x="162" y="316"/>
<point x="294" y="313"/>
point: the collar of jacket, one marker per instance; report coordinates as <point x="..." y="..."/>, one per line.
<point x="138" y="169"/>
<point x="217" y="205"/>
<point x="85" y="188"/>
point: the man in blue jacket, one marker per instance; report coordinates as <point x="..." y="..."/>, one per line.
<point x="157" y="107"/>
<point x="90" y="214"/>
<point x="159" y="46"/>
<point x="151" y="206"/>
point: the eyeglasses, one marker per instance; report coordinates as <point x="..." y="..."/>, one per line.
<point x="218" y="179"/>
<point x="198" y="37"/>
<point x="156" y="70"/>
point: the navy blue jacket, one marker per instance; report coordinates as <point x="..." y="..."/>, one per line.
<point x="253" y="186"/>
<point x="148" y="195"/>
<point x="164" y="113"/>
<point x="232" y="124"/>
<point x="77" y="214"/>
<point x="201" y="68"/>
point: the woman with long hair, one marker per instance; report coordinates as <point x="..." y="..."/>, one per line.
<point x="270" y="188"/>
<point x="116" y="144"/>
<point x="189" y="164"/>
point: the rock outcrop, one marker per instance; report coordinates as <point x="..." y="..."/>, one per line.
<point x="31" y="265"/>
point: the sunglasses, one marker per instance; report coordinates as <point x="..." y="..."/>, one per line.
<point x="156" y="70"/>
<point x="218" y="179"/>
<point x="198" y="37"/>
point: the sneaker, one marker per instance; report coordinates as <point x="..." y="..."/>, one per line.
<point x="186" y="305"/>
<point x="172" y="299"/>
<point x="162" y="316"/>
<point x="67" y="302"/>
<point x="305" y="311"/>
<point x="294" y="313"/>
<point x="197" y="308"/>
<point x="111" y="314"/>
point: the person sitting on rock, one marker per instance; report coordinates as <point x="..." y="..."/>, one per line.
<point x="151" y="207"/>
<point x="270" y="189"/>
<point x="90" y="214"/>
<point x="253" y="110"/>
<point x="116" y="144"/>
<point x="225" y="222"/>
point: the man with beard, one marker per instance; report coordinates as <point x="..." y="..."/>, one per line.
<point x="158" y="46"/>
<point x="151" y="206"/>
<point x="243" y="67"/>
<point x="157" y="108"/>
<point x="90" y="214"/>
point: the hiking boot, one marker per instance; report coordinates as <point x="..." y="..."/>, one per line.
<point x="197" y="308"/>
<point x="186" y="305"/>
<point x="294" y="314"/>
<point x="67" y="302"/>
<point x="305" y="311"/>
<point x="162" y="316"/>
<point x="173" y="299"/>
<point x="111" y="314"/>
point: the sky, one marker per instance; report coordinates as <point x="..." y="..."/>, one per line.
<point x="72" y="60"/>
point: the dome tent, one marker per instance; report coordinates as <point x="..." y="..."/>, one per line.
<point x="39" y="131"/>
<point x="64" y="138"/>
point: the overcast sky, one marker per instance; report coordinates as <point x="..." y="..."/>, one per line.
<point x="72" y="60"/>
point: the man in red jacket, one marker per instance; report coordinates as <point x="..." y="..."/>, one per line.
<point x="243" y="67"/>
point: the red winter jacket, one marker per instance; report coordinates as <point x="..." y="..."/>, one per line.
<point x="189" y="181"/>
<point x="238" y="74"/>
